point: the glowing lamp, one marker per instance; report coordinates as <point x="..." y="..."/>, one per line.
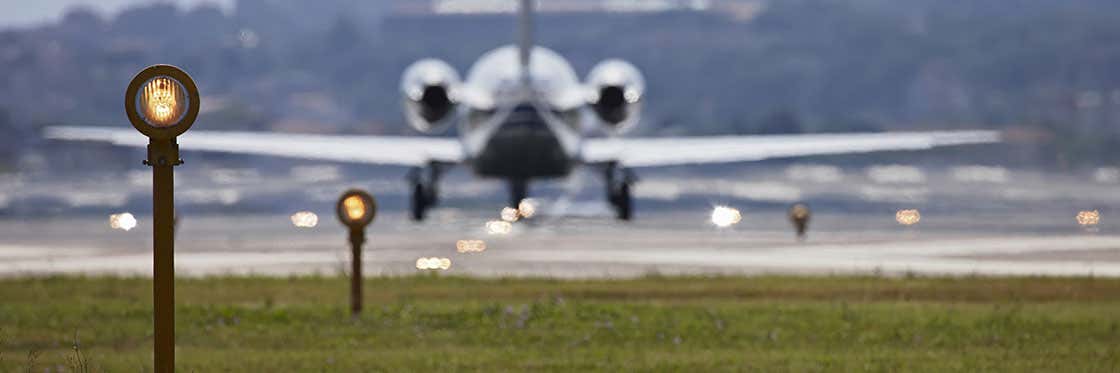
<point x="799" y="212"/>
<point x="305" y="219"/>
<point x="356" y="208"/>
<point x="441" y="264"/>
<point x="123" y="221"/>
<point x="908" y="217"/>
<point x="510" y="214"/>
<point x="162" y="102"/>
<point x="498" y="227"/>
<point x="723" y="216"/>
<point x="527" y="208"/>
<point x="799" y="215"/>
<point x="470" y="246"/>
<point x="1088" y="218"/>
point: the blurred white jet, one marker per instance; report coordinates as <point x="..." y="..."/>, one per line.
<point x="522" y="114"/>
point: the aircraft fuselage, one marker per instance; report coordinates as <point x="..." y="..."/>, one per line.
<point x="522" y="147"/>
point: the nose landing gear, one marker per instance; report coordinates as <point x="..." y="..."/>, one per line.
<point x="518" y="191"/>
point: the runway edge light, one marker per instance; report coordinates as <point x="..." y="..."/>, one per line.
<point x="799" y="215"/>
<point x="356" y="209"/>
<point x="724" y="216"/>
<point x="908" y="217"/>
<point x="162" y="103"/>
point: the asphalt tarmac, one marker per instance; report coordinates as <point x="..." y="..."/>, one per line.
<point x="1044" y="242"/>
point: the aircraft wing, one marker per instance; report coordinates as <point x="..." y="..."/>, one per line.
<point x="387" y="150"/>
<point x="694" y="150"/>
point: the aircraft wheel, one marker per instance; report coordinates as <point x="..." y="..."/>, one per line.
<point x="624" y="205"/>
<point x="419" y="202"/>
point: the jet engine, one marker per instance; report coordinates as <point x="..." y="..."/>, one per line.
<point x="428" y="87"/>
<point x="616" y="89"/>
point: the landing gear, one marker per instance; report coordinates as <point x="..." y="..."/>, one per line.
<point x="425" y="193"/>
<point x="420" y="202"/>
<point x="619" y="181"/>
<point x="518" y="191"/>
<point x="623" y="203"/>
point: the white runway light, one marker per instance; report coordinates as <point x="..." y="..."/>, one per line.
<point x="896" y="174"/>
<point x="1107" y="175"/>
<point x="908" y="217"/>
<point x="123" y="221"/>
<point x="1088" y="218"/>
<point x="470" y="246"/>
<point x="723" y="216"/>
<point x="498" y="227"/>
<point x="510" y="214"/>
<point x="527" y="208"/>
<point x="305" y="219"/>
<point x="441" y="264"/>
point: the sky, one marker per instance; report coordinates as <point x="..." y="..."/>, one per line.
<point x="23" y="13"/>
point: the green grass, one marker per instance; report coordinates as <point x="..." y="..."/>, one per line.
<point x="654" y="323"/>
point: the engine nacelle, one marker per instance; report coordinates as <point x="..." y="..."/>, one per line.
<point x="429" y="87"/>
<point x="616" y="90"/>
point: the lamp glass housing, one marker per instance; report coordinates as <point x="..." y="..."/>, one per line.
<point x="162" y="101"/>
<point x="355" y="208"/>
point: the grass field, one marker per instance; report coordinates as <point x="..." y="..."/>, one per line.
<point x="439" y="323"/>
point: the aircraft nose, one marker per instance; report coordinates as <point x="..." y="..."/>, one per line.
<point x="525" y="115"/>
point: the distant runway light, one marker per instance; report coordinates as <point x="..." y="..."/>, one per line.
<point x="814" y="173"/>
<point x="527" y="208"/>
<point x="981" y="174"/>
<point x="305" y="219"/>
<point x="799" y="215"/>
<point x="1088" y="218"/>
<point x="509" y="214"/>
<point x="470" y="246"/>
<point x="248" y="38"/>
<point x="896" y="174"/>
<point x="723" y="216"/>
<point x="908" y="217"/>
<point x="441" y="264"/>
<point x="315" y="174"/>
<point x="123" y="221"/>
<point x="1107" y="175"/>
<point x="498" y="227"/>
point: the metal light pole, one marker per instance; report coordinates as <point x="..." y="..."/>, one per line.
<point x="356" y="210"/>
<point x="162" y="102"/>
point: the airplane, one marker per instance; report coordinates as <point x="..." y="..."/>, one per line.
<point x="523" y="114"/>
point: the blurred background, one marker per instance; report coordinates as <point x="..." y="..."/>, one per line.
<point x="1042" y="71"/>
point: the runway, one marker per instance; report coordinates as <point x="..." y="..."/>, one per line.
<point x="566" y="247"/>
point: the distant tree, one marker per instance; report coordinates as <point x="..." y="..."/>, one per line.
<point x="82" y="18"/>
